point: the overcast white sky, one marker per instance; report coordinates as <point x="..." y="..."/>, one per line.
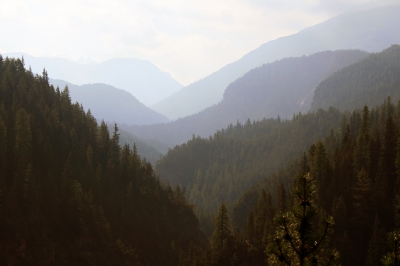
<point x="188" y="39"/>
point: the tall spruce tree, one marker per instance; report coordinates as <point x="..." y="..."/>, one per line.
<point x="376" y="244"/>
<point x="362" y="156"/>
<point x="222" y="237"/>
<point x="298" y="241"/>
<point x="393" y="257"/>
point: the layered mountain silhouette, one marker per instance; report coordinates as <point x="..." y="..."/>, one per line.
<point x="369" y="30"/>
<point x="368" y="82"/>
<point x="141" y="78"/>
<point x="111" y="104"/>
<point x="282" y="88"/>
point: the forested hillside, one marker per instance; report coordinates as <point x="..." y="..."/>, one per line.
<point x="369" y="82"/>
<point x="70" y="194"/>
<point x="357" y="178"/>
<point x="281" y="88"/>
<point x="151" y="150"/>
<point x="220" y="168"/>
<point x="338" y="204"/>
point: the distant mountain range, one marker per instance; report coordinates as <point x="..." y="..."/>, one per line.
<point x="368" y="82"/>
<point x="111" y="104"/>
<point x="370" y="30"/>
<point x="139" y="77"/>
<point x="282" y="88"/>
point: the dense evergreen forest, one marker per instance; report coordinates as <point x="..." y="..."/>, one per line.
<point x="262" y="92"/>
<point x="70" y="194"/>
<point x="338" y="203"/>
<point x="348" y="160"/>
<point x="367" y="82"/>
<point x="220" y="168"/>
<point x="320" y="189"/>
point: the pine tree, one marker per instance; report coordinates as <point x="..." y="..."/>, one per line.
<point x="222" y="230"/>
<point x="3" y="134"/>
<point x="319" y="172"/>
<point x="282" y="198"/>
<point x="362" y="207"/>
<point x="393" y="257"/>
<point x="376" y="247"/>
<point x="389" y="153"/>
<point x="297" y="241"/>
<point x="362" y="156"/>
<point x="222" y="237"/>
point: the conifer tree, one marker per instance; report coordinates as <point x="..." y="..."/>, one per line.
<point x="222" y="230"/>
<point x="389" y="153"/>
<point x="282" y="198"/>
<point x="393" y="257"/>
<point x="376" y="244"/>
<point x="3" y="133"/>
<point x="362" y="207"/>
<point x="222" y="237"/>
<point x="297" y="240"/>
<point x="362" y="156"/>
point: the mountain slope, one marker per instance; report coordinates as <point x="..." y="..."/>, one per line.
<point x="369" y="82"/>
<point x="150" y="150"/>
<point x="111" y="104"/>
<point x="70" y="194"/>
<point x="220" y="168"/>
<point x="282" y="88"/>
<point x="370" y="30"/>
<point x="336" y="165"/>
<point x="139" y="77"/>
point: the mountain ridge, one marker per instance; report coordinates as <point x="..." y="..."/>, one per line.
<point x="362" y="30"/>
<point x="110" y="103"/>
<point x="141" y="78"/>
<point x="272" y="90"/>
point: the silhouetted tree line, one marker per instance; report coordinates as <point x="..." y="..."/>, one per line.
<point x="341" y="207"/>
<point x="70" y="194"/>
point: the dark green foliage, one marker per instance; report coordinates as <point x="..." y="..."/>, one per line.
<point x="377" y="244"/>
<point x="149" y="150"/>
<point x="352" y="172"/>
<point x="222" y="167"/>
<point x="367" y="82"/>
<point x="258" y="228"/>
<point x="393" y="257"/>
<point x="222" y="238"/>
<point x="297" y="241"/>
<point x="70" y="194"/>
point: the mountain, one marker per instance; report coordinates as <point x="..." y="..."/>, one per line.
<point x="368" y="82"/>
<point x="151" y="150"/>
<point x="111" y="104"/>
<point x="282" y="88"/>
<point x="221" y="167"/>
<point x="70" y="194"/>
<point x="355" y="170"/>
<point x="139" y="77"/>
<point x="370" y="30"/>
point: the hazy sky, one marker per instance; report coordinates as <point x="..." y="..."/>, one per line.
<point x="188" y="39"/>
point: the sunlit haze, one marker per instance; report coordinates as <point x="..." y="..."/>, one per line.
<point x="188" y="39"/>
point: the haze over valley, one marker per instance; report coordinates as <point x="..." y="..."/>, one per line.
<point x="200" y="133"/>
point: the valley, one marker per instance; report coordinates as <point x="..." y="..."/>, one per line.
<point x="287" y="156"/>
